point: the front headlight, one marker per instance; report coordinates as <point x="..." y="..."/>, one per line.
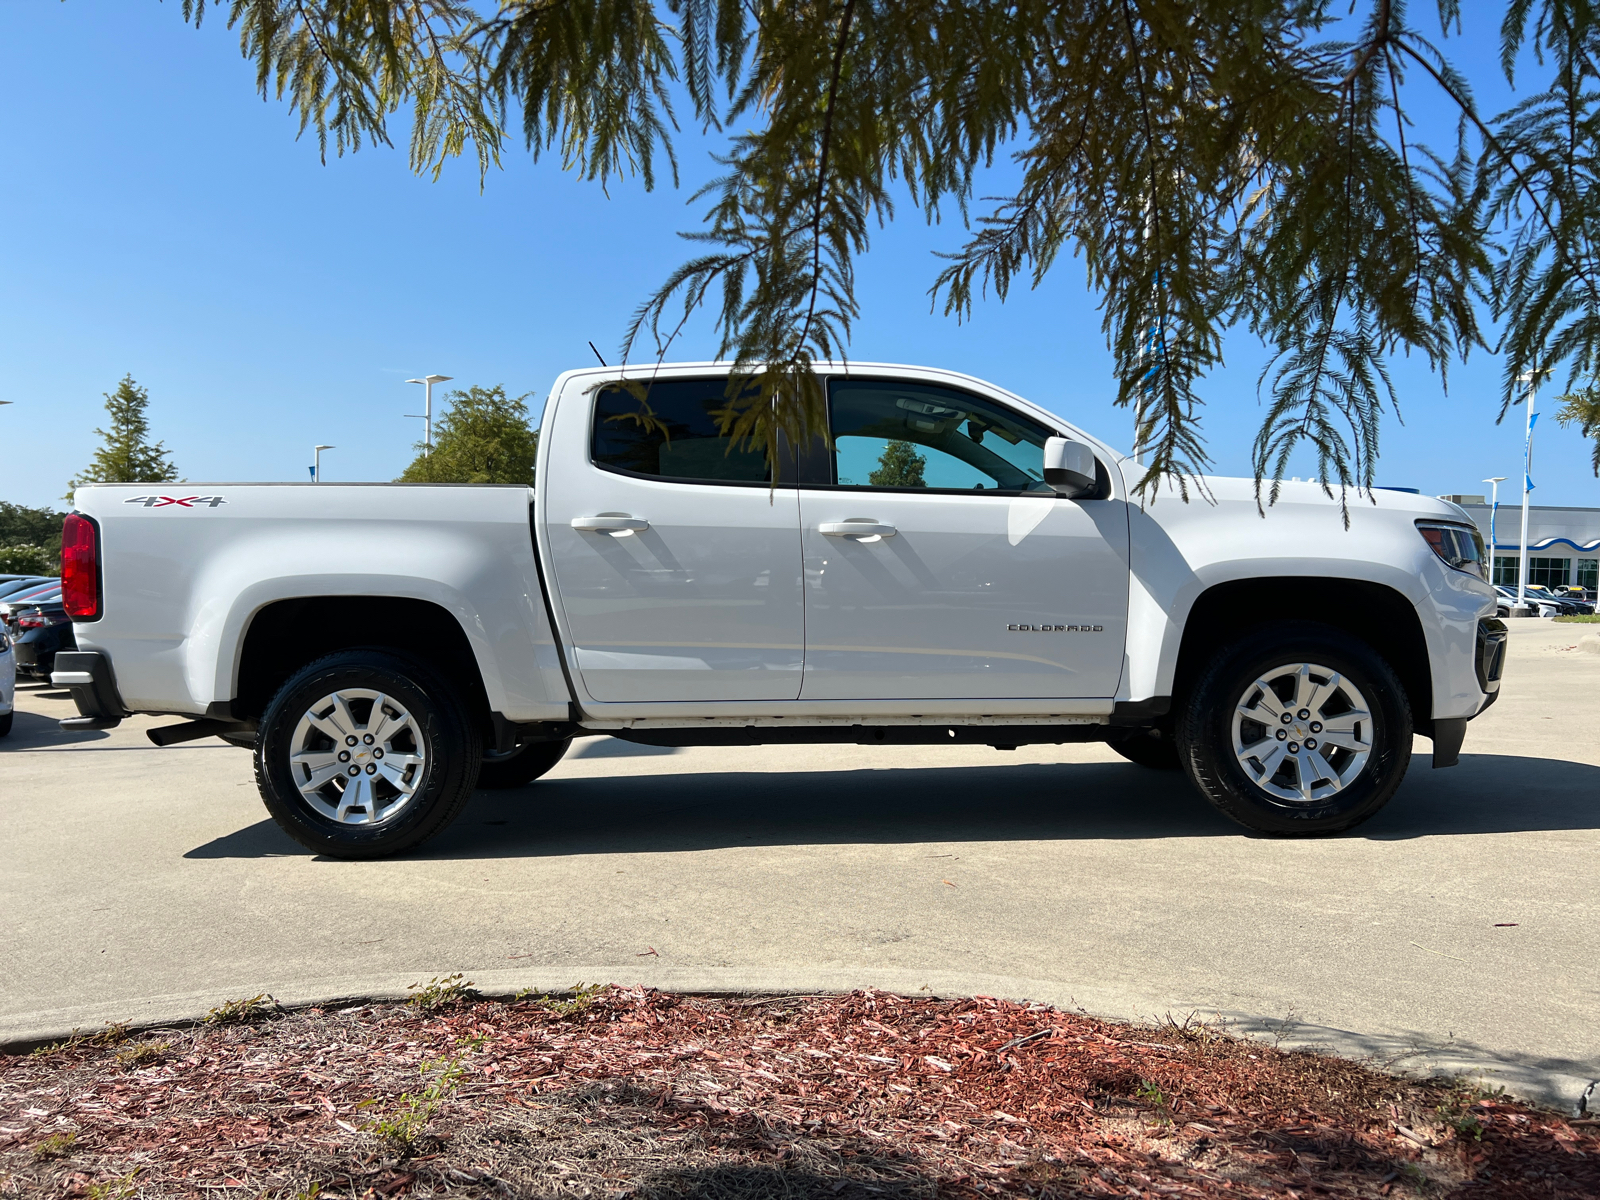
<point x="1459" y="546"/>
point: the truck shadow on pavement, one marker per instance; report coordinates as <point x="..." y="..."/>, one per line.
<point x="31" y="731"/>
<point x="661" y="813"/>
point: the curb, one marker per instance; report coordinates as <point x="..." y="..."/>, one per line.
<point x="1556" y="1084"/>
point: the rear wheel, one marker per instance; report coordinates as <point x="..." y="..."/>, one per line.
<point x="1300" y="729"/>
<point x="520" y="766"/>
<point x="365" y="753"/>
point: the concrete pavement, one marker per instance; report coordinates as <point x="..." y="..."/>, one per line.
<point x="1457" y="930"/>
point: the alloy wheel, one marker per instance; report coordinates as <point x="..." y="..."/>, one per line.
<point x="1302" y="732"/>
<point x="357" y="757"/>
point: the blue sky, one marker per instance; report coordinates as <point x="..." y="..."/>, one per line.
<point x="161" y="220"/>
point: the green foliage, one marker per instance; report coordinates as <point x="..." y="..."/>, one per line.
<point x="583" y="996"/>
<point x="439" y="992"/>
<point x="111" y="1035"/>
<point x="1216" y="164"/>
<point x="238" y="1012"/>
<point x="1578" y="619"/>
<point x="403" y="1124"/>
<point x="26" y="560"/>
<point x="143" y="1054"/>
<point x="483" y="438"/>
<point x="23" y="526"/>
<point x="1583" y="410"/>
<point x="126" y="454"/>
<point x="1150" y="1092"/>
<point x="57" y="1145"/>
<point x="123" y="1187"/>
<point x="899" y="466"/>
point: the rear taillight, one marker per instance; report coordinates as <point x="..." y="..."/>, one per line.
<point x="32" y="621"/>
<point x="80" y="568"/>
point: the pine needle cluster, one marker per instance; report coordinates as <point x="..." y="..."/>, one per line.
<point x="1215" y="163"/>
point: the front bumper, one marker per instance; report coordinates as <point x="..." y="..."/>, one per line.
<point x="1490" y="660"/>
<point x="94" y="690"/>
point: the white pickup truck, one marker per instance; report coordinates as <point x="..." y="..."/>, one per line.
<point x="952" y="565"/>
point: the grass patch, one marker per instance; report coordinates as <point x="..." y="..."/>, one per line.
<point x="143" y="1054"/>
<point x="437" y="993"/>
<point x="1579" y="619"/>
<point x="122" y="1187"/>
<point x="403" y="1126"/>
<point x="583" y="995"/>
<point x="57" y="1145"/>
<point x="111" y="1035"/>
<point x="237" y="1012"/>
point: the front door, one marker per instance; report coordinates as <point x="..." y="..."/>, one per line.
<point x="677" y="563"/>
<point x="969" y="578"/>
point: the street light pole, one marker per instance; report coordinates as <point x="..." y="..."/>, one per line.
<point x="1494" y="509"/>
<point x="1531" y="378"/>
<point x="316" y="471"/>
<point x="427" y="382"/>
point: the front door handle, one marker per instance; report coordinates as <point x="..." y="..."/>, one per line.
<point x="613" y="523"/>
<point x="860" y="527"/>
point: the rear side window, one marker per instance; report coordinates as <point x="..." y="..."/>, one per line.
<point x="669" y="430"/>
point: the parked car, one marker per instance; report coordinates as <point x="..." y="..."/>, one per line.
<point x="8" y="683"/>
<point x="1542" y="606"/>
<point x="10" y="585"/>
<point x="669" y="585"/>
<point x="41" y="633"/>
<point x="1570" y="604"/>
<point x="17" y="602"/>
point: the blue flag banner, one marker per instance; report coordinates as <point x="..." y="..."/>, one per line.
<point x="312" y="471"/>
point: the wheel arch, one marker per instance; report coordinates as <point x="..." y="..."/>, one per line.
<point x="1377" y="614"/>
<point x="285" y="635"/>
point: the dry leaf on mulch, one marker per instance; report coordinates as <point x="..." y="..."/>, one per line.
<point x="643" y="1094"/>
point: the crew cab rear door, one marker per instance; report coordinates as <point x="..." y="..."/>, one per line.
<point x="676" y="561"/>
<point x="969" y="578"/>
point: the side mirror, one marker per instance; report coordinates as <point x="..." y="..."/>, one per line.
<point x="1069" y="467"/>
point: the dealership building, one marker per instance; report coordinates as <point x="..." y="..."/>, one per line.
<point x="1563" y="543"/>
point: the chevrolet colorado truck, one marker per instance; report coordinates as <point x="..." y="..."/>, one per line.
<point x="949" y="565"/>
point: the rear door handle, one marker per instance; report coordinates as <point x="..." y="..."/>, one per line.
<point x="857" y="527"/>
<point x="610" y="523"/>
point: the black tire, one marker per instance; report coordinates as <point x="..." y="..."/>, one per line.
<point x="1149" y="748"/>
<point x="521" y="766"/>
<point x="437" y="726"/>
<point x="5" y="723"/>
<point x="1205" y="732"/>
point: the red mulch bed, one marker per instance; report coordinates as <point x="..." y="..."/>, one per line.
<point x="644" y="1094"/>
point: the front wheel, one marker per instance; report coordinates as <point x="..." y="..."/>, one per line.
<point x="365" y="753"/>
<point x="520" y="766"/>
<point x="1299" y="729"/>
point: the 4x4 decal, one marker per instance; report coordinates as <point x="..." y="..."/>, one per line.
<point x="180" y="501"/>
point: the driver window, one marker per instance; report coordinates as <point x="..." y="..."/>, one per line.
<point x="912" y="436"/>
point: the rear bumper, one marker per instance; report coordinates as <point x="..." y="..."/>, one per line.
<point x="94" y="689"/>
